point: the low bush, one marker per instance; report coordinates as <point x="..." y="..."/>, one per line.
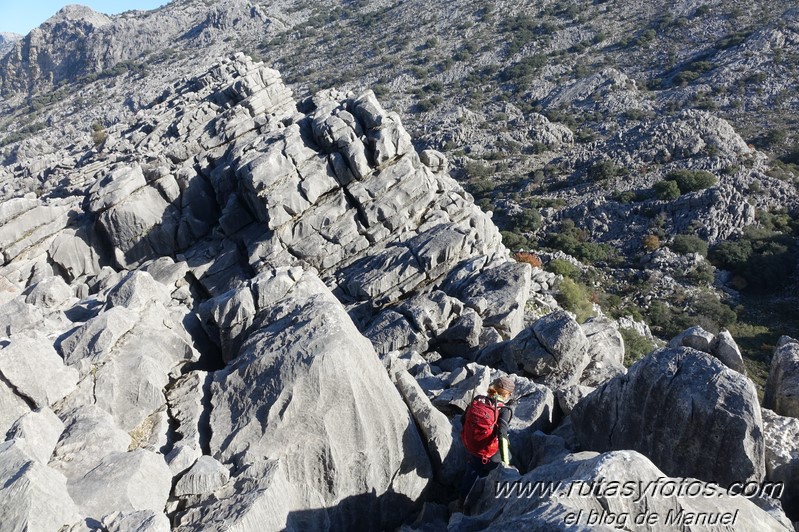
<point x="762" y="260"/>
<point x="651" y="242"/>
<point x="692" y="180"/>
<point x="603" y="170"/>
<point x="635" y="346"/>
<point x="574" y="297"/>
<point x="530" y="258"/>
<point x="667" y="190"/>
<point x="684" y="244"/>
<point x="564" y="268"/>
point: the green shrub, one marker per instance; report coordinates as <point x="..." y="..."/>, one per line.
<point x="692" y="180"/>
<point x="604" y="170"/>
<point x="704" y="273"/>
<point x="635" y="346"/>
<point x="684" y="244"/>
<point x="576" y="245"/>
<point x="525" y="68"/>
<point x="527" y="220"/>
<point x="763" y="260"/>
<point x="626" y="196"/>
<point x="514" y="241"/>
<point x="667" y="190"/>
<point x="476" y="170"/>
<point x="686" y="76"/>
<point x="711" y="313"/>
<point x="564" y="268"/>
<point x="574" y="297"/>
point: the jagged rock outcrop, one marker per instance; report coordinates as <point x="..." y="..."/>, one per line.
<point x="782" y="386"/>
<point x="32" y="495"/>
<point x="123" y="481"/>
<point x="7" y="40"/>
<point x="264" y="313"/>
<point x="333" y="420"/>
<point x="684" y="410"/>
<point x="782" y="457"/>
<point x="438" y="433"/>
<point x="556" y="351"/>
<point x="721" y="346"/>
<point x="78" y="41"/>
<point x="606" y="349"/>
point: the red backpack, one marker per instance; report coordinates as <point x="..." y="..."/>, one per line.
<point x="479" y="434"/>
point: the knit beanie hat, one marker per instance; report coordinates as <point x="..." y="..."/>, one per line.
<point x="504" y="383"/>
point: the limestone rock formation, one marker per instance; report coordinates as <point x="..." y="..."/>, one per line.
<point x="782" y="387"/>
<point x="721" y="346"/>
<point x="230" y="308"/>
<point x="782" y="457"/>
<point x="684" y="410"/>
<point x="333" y="420"/>
<point x="32" y="495"/>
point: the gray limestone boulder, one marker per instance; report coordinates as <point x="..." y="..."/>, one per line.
<point x="782" y="386"/>
<point x="205" y="476"/>
<point x="186" y="398"/>
<point x="564" y="339"/>
<point x="127" y="356"/>
<point x="696" y="338"/>
<point x="584" y="492"/>
<point x="228" y="317"/>
<point x="32" y="366"/>
<point x="50" y="292"/>
<point x="128" y="481"/>
<point x="182" y="457"/>
<point x="435" y="160"/>
<point x="74" y="252"/>
<point x="391" y="331"/>
<point x="166" y="271"/>
<point x="606" y="349"/>
<point x="12" y="407"/>
<point x="89" y="435"/>
<point x="782" y="457"/>
<point x="95" y="339"/>
<point x="443" y="443"/>
<point x="138" y="521"/>
<point x="428" y="321"/>
<point x="726" y="350"/>
<point x="134" y="218"/>
<point x="545" y="448"/>
<point x="605" y="339"/>
<point x="136" y="291"/>
<point x="569" y="397"/>
<point x="465" y="385"/>
<point x="523" y="354"/>
<point x="32" y="495"/>
<point x="33" y="225"/>
<point x="259" y="497"/>
<point x="17" y="316"/>
<point x="685" y="410"/>
<point x="41" y="430"/>
<point x="533" y="410"/>
<point x="308" y="391"/>
<point x="498" y="295"/>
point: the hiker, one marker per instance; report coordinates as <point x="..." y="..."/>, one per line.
<point x="485" y="432"/>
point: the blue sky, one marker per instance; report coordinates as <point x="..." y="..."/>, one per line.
<point x="22" y="16"/>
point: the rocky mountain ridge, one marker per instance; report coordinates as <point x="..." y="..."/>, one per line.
<point x="272" y="312"/>
<point x="275" y="308"/>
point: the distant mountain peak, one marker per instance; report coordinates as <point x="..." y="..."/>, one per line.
<point x="77" y="12"/>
